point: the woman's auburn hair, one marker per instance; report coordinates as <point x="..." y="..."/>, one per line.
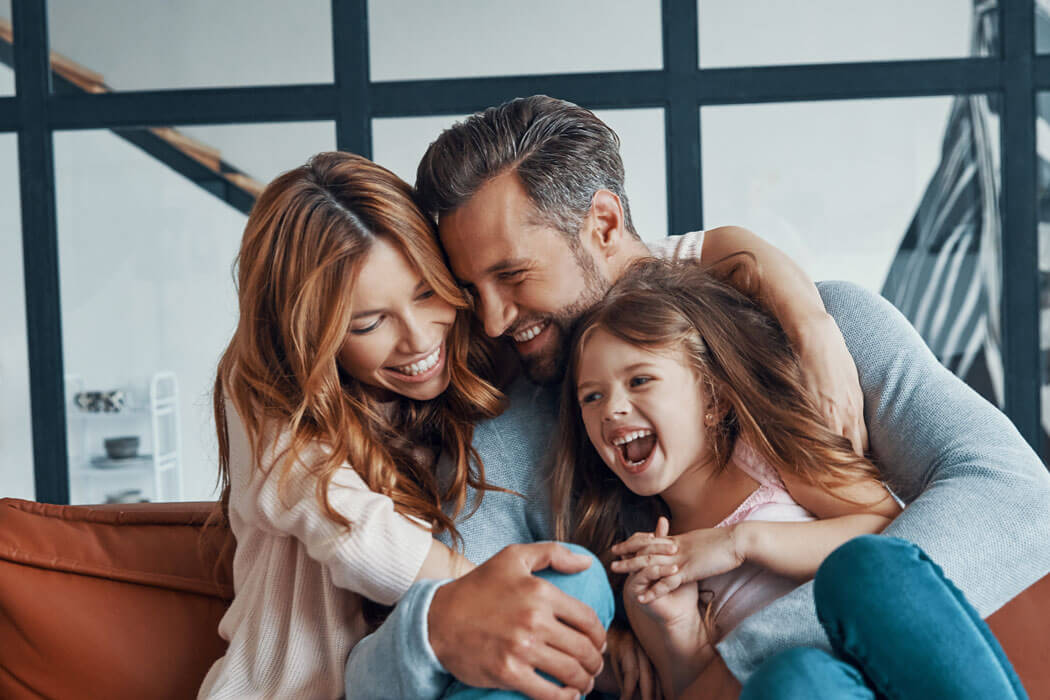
<point x="303" y="246"/>
<point x="748" y="369"/>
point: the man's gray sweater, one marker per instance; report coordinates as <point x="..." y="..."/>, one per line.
<point x="978" y="499"/>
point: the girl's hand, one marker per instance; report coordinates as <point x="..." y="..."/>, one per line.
<point x="668" y="562"/>
<point x="670" y="629"/>
<point x="634" y="673"/>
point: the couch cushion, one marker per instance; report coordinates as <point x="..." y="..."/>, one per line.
<point x="109" y="601"/>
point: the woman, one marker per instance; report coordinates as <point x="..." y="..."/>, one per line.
<point x="349" y="373"/>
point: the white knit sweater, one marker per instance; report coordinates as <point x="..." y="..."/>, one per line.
<point x="298" y="577"/>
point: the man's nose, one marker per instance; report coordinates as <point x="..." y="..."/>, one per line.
<point x="496" y="313"/>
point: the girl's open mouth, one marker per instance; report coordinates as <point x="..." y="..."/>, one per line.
<point x="635" y="449"/>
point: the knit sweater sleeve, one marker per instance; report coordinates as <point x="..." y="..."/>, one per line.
<point x="682" y="247"/>
<point x="378" y="556"/>
<point x="978" y="496"/>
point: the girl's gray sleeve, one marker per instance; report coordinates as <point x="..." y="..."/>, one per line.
<point x="978" y="496"/>
<point x="396" y="661"/>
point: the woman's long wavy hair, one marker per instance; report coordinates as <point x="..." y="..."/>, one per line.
<point x="751" y="376"/>
<point x="303" y="246"/>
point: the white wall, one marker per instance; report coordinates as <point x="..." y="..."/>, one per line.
<point x="16" y="448"/>
<point x="773" y="32"/>
<point x="160" y="44"/>
<point x="460" y="38"/>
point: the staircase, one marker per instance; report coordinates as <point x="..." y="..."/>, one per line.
<point x="197" y="162"/>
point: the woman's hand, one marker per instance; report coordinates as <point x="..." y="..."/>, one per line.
<point x="831" y="379"/>
<point x="659" y="564"/>
<point x="634" y="673"/>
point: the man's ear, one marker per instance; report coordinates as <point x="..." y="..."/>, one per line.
<point x="605" y="224"/>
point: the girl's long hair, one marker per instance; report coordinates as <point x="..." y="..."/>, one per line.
<point x="751" y="376"/>
<point x="302" y="249"/>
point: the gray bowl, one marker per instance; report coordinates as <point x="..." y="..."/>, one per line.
<point x="121" y="447"/>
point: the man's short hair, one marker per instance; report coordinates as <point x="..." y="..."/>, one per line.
<point x="561" y="152"/>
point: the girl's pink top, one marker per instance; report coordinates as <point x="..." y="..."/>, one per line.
<point x="738" y="593"/>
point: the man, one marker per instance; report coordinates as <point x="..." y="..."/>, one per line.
<point x="531" y="210"/>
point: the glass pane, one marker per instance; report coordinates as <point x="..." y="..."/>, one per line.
<point x="16" y="442"/>
<point x="148" y="232"/>
<point x="157" y="44"/>
<point x="858" y="190"/>
<point x="7" y="58"/>
<point x="399" y="143"/>
<point x="1042" y="26"/>
<point x="469" y="38"/>
<point x="734" y="33"/>
<point x="1042" y="133"/>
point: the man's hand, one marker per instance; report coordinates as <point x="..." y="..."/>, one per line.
<point x="634" y="673"/>
<point x="498" y="625"/>
<point x="831" y="378"/>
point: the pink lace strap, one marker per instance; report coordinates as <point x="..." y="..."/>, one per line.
<point x="748" y="461"/>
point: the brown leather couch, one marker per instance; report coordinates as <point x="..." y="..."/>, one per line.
<point x="123" y="602"/>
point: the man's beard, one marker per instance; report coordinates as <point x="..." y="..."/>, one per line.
<point x="548" y="368"/>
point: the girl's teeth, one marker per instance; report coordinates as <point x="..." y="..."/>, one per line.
<point x="631" y="437"/>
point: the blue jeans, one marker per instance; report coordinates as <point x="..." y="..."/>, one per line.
<point x="899" y="629"/>
<point x="591" y="586"/>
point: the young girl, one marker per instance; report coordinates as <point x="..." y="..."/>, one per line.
<point x="684" y="401"/>
<point x="349" y="374"/>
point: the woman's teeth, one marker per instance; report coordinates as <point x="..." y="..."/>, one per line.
<point x="421" y="366"/>
<point x="530" y="332"/>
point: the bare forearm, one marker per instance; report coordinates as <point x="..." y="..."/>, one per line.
<point x="796" y="550"/>
<point x="443" y="562"/>
<point x="714" y="683"/>
<point x="782" y="285"/>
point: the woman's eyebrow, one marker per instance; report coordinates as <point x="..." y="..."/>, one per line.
<point x="372" y="312"/>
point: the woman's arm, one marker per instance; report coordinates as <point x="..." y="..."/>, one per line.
<point x="791" y="296"/>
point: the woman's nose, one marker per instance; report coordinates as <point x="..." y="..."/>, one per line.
<point x="417" y="337"/>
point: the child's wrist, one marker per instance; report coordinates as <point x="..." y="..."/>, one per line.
<point x="744" y="539"/>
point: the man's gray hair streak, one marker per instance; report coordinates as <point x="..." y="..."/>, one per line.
<point x="562" y="154"/>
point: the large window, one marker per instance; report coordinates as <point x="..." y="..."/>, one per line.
<point x="893" y="144"/>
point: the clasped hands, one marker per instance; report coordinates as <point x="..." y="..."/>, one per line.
<point x="657" y="564"/>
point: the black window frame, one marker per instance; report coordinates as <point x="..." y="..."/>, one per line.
<point x="681" y="88"/>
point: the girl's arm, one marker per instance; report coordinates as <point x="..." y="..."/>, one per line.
<point x="443" y="562"/>
<point x="791" y="296"/>
<point x="796" y="550"/>
<point x="793" y="549"/>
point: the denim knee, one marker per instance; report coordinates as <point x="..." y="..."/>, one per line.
<point x="859" y="573"/>
<point x="591" y="585"/>
<point x="793" y="673"/>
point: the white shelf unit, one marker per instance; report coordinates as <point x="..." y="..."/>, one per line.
<point x="157" y="473"/>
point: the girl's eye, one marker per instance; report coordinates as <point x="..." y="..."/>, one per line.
<point x="368" y="329"/>
<point x="590" y="398"/>
<point x="640" y="380"/>
<point x="425" y="295"/>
